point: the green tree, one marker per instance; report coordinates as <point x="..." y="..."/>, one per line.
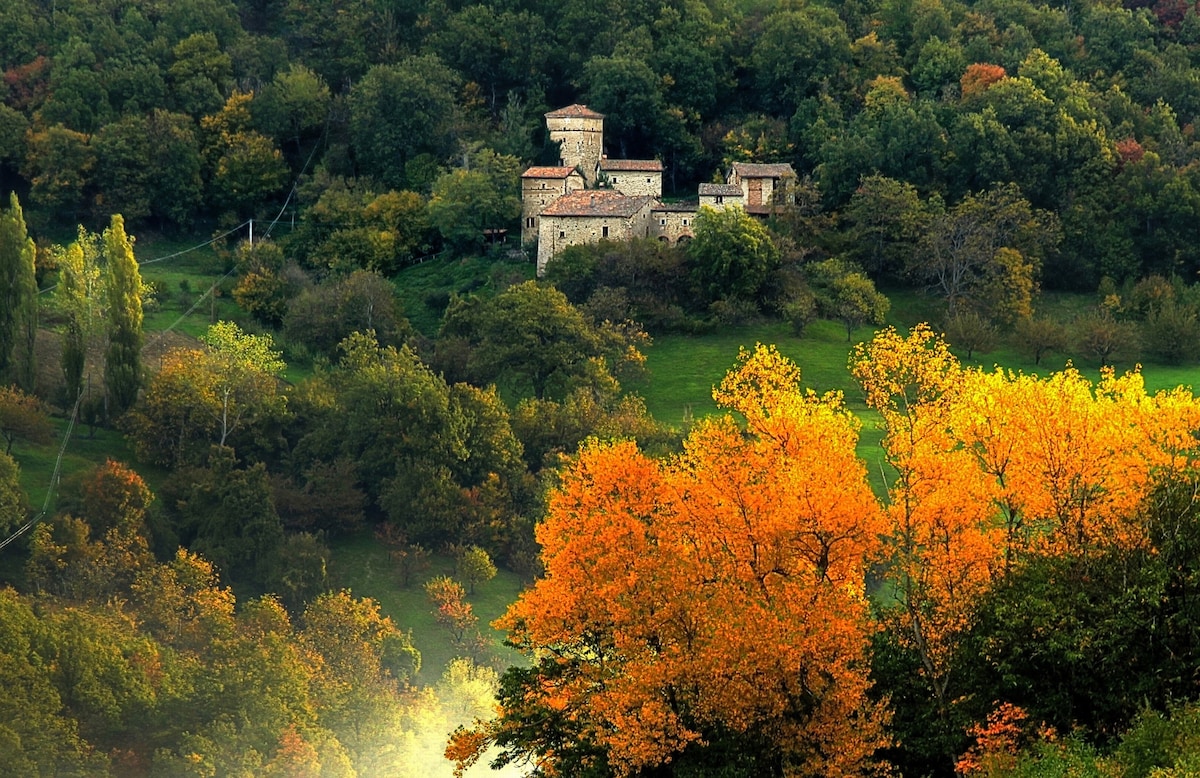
<point x="58" y="164"/>
<point x="799" y="54"/>
<point x="200" y="74"/>
<point x="245" y="366"/>
<point x="475" y="567"/>
<point x="226" y="514"/>
<point x="149" y="167"/>
<point x="123" y="360"/>
<point x="986" y="253"/>
<point x="18" y="298"/>
<point x="398" y="112"/>
<point x="886" y="219"/>
<point x="294" y="106"/>
<point x="844" y="293"/>
<point x="13" y="503"/>
<point x="81" y="298"/>
<point x="465" y="203"/>
<point x="22" y="416"/>
<point x="531" y="337"/>
<point x="732" y="253"/>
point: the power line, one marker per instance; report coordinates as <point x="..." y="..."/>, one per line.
<point x="189" y="250"/>
<point x="53" y="478"/>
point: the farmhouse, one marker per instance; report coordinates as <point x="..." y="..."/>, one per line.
<point x="673" y="223"/>
<point x="588" y="197"/>
<point x="721" y="196"/>
<point x="631" y="177"/>
<point x="541" y="186"/>
<point x="764" y="187"/>
<point x="589" y="216"/>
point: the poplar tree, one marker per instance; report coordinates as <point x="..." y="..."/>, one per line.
<point x="18" y="298"/>
<point x="81" y="298"/>
<point x="122" y="368"/>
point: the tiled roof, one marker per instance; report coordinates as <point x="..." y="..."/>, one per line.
<point x="688" y="207"/>
<point x="756" y="170"/>
<point x="575" y="111"/>
<point x="548" y="172"/>
<point x="644" y="165"/>
<point x="725" y="190"/>
<point x="596" y="202"/>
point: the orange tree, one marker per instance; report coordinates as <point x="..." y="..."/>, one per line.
<point x="706" y="609"/>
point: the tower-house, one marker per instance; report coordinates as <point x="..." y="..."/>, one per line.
<point x="580" y="130"/>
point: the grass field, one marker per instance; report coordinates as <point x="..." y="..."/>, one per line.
<point x="361" y="565"/>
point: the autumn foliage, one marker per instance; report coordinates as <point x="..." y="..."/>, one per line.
<point x="717" y="599"/>
<point x="717" y="592"/>
<point x="978" y="77"/>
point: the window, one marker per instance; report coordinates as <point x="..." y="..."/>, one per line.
<point x="648" y="181"/>
<point x="613" y="179"/>
<point x="562" y="234"/>
<point x="720" y="199"/>
<point x="684" y="222"/>
<point x="529" y="222"/>
<point x="603" y="231"/>
<point x="663" y="222"/>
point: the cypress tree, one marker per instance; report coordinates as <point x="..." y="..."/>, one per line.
<point x="18" y="299"/>
<point x="123" y="362"/>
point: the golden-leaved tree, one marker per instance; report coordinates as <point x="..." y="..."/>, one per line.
<point x="707" y="606"/>
<point x="991" y="467"/>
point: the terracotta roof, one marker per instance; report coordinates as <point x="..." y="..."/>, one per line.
<point x="548" y="172"/>
<point x="688" y="207"/>
<point x="726" y="190"/>
<point x="646" y="165"/>
<point x="575" y="111"/>
<point x="756" y="170"/>
<point x="596" y="202"/>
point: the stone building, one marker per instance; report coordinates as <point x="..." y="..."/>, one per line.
<point x="764" y="186"/>
<point x="580" y="130"/>
<point x="541" y="186"/>
<point x="589" y="216"/>
<point x="673" y="223"/>
<point x="721" y="196"/>
<point x="632" y="177"/>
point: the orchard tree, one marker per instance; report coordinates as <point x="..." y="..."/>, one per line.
<point x="22" y="416"/>
<point x="123" y="362"/>
<point x="844" y="293"/>
<point x="986" y="253"/>
<point x="18" y="298"/>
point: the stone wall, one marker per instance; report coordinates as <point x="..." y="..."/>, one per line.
<point x="536" y="194"/>
<point x="582" y="141"/>
<point x="556" y="233"/>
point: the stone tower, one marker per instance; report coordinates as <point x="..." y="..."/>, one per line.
<point x="581" y="132"/>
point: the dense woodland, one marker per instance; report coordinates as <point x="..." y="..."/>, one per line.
<point x="728" y="599"/>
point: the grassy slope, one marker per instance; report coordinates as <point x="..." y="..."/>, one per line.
<point x="683" y="372"/>
<point x="362" y="565"/>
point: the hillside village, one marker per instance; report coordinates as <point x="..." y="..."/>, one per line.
<point x="589" y="197"/>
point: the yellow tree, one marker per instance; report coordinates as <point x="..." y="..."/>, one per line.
<point x="709" y="606"/>
<point x="944" y="546"/>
